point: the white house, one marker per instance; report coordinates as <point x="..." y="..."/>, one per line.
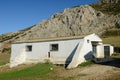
<point x="70" y="51"/>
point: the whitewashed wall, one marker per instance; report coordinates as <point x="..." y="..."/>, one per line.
<point x="18" y="55"/>
<point x="77" y="50"/>
<point x="111" y="50"/>
<point x="40" y="51"/>
<point x="100" y="50"/>
<point x="84" y="52"/>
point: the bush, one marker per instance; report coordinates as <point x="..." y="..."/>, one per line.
<point x="3" y="63"/>
<point x="115" y="54"/>
<point x="111" y="32"/>
<point x="6" y="50"/>
<point x="107" y="8"/>
<point x="88" y="63"/>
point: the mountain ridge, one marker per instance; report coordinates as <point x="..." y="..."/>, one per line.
<point x="71" y="22"/>
<point x="79" y="20"/>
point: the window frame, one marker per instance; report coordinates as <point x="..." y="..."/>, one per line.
<point x="28" y="48"/>
<point x="52" y="47"/>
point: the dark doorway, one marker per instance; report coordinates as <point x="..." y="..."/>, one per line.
<point x="106" y="51"/>
<point x="48" y="54"/>
<point x="94" y="49"/>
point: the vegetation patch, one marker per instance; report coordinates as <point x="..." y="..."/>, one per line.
<point x="4" y="59"/>
<point x="114" y="40"/>
<point x="3" y="63"/>
<point x="38" y="69"/>
<point x="70" y="78"/>
<point x="112" y="36"/>
<point x="112" y="32"/>
<point x="115" y="54"/>
<point x="6" y="37"/>
<point x="6" y="50"/>
<point x="82" y="75"/>
<point x="88" y="63"/>
<point x="107" y="8"/>
<point x="48" y="71"/>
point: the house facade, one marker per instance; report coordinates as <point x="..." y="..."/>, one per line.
<point x="70" y="51"/>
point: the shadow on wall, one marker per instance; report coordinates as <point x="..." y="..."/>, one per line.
<point x="89" y="56"/>
<point x="70" y="57"/>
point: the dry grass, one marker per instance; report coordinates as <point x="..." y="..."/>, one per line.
<point x="114" y="40"/>
<point x="43" y="72"/>
<point x="4" y="59"/>
<point x="94" y="72"/>
<point x="116" y="55"/>
<point x="108" y="8"/>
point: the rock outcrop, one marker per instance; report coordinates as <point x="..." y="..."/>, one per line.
<point x="79" y="20"/>
<point x="71" y="22"/>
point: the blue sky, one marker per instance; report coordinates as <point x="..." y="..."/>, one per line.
<point x="19" y="14"/>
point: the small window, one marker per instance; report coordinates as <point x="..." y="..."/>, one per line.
<point x="88" y="41"/>
<point x="54" y="47"/>
<point x="29" y="48"/>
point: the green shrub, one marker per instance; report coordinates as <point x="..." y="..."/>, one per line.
<point x="88" y="63"/>
<point x="39" y="70"/>
<point x="115" y="54"/>
<point x="111" y="32"/>
<point x="114" y="40"/>
<point x="107" y="8"/>
<point x="5" y="38"/>
<point x="6" y="50"/>
<point x="3" y="63"/>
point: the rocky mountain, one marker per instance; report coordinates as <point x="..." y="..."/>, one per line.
<point x="73" y="21"/>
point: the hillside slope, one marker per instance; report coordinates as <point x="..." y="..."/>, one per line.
<point x="73" y="21"/>
<point x="111" y="7"/>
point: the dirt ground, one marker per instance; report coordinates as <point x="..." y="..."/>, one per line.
<point x="102" y="71"/>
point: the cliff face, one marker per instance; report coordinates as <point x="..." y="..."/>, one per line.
<point x="71" y="22"/>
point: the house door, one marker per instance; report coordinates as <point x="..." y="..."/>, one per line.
<point x="106" y="51"/>
<point x="94" y="49"/>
